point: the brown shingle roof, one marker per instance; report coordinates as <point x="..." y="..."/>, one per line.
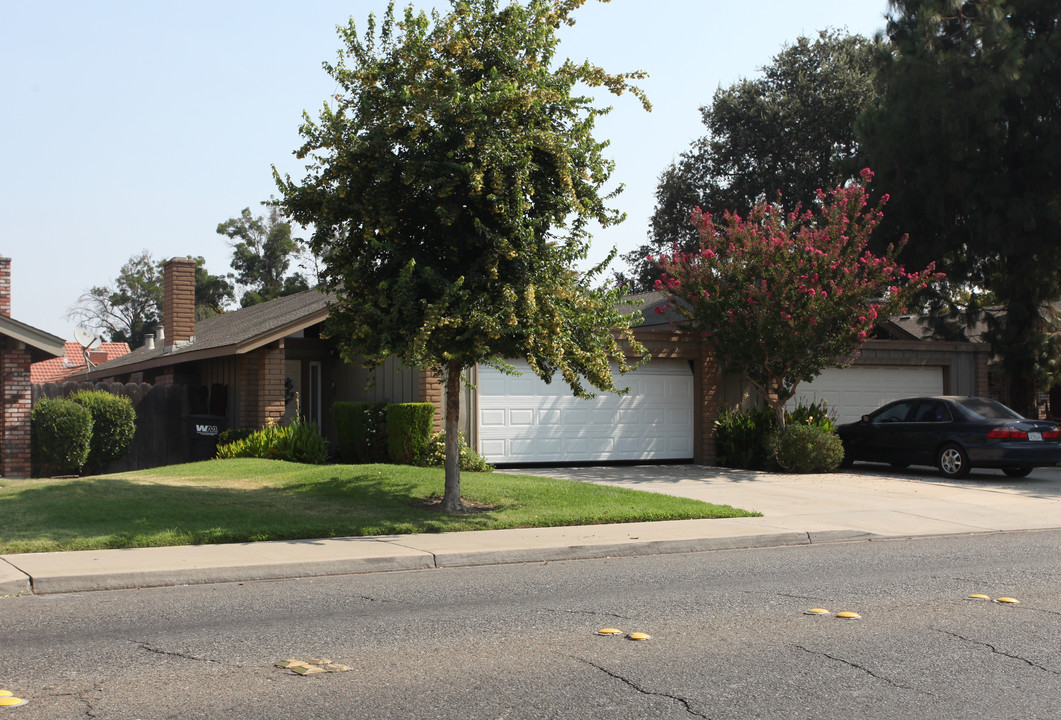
<point x="230" y="333"/>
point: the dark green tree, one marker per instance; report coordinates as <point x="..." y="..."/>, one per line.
<point x="450" y="188"/>
<point x="213" y="293"/>
<point x="967" y="141"/>
<point x="790" y="131"/>
<point x="131" y="307"/>
<point x="262" y="250"/>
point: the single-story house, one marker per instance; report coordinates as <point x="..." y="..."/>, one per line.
<point x="21" y="345"/>
<point x="267" y="362"/>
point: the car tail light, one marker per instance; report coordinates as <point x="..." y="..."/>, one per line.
<point x="1007" y="432"/>
<point x="1054" y="434"/>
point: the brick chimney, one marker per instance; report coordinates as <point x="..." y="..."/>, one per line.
<point x="178" y="315"/>
<point x="5" y="286"/>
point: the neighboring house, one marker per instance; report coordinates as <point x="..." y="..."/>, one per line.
<point x="20" y="346"/>
<point x="266" y="362"/>
<point x="75" y="361"/>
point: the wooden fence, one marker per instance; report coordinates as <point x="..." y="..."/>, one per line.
<point x="173" y="422"/>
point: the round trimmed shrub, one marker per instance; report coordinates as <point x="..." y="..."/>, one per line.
<point x="806" y="449"/>
<point x="61" y="432"/>
<point x="113" y="425"/>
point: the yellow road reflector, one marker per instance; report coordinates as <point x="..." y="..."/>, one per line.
<point x="6" y="693"/>
<point x="849" y="615"/>
<point x="609" y="631"/>
<point x="317" y="665"/>
<point x="639" y="636"/>
<point x="1010" y="600"/>
<point x="979" y="596"/>
<point x="12" y="701"/>
<point x="816" y="611"/>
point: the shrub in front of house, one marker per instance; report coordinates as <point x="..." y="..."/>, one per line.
<point x="743" y="435"/>
<point x="409" y="427"/>
<point x="113" y="425"/>
<point x="469" y="459"/>
<point x="361" y="428"/>
<point x="231" y="435"/>
<point x="61" y="432"/>
<point x="806" y="448"/>
<point x="298" y="441"/>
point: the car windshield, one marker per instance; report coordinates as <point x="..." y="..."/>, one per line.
<point x="988" y="409"/>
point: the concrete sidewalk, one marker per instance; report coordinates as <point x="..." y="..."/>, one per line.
<point x="798" y="510"/>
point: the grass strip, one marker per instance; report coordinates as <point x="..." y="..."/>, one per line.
<point x="244" y="500"/>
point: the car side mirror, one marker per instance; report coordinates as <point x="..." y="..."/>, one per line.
<point x="865" y="418"/>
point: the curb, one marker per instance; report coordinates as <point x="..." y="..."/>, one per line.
<point x="85" y="571"/>
<point x="13" y="581"/>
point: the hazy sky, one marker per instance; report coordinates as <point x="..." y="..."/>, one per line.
<point x="141" y="125"/>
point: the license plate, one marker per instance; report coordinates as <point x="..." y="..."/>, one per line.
<point x="1035" y="437"/>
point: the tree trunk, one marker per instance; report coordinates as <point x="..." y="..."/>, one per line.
<point x="451" y="500"/>
<point x="1019" y="352"/>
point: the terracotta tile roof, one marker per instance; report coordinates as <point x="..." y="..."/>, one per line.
<point x="73" y="361"/>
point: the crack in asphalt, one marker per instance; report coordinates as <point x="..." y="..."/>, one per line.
<point x="856" y="666"/>
<point x="630" y="683"/>
<point x="90" y="710"/>
<point x="784" y="595"/>
<point x="996" y="651"/>
<point x="595" y="613"/>
<point x="158" y="651"/>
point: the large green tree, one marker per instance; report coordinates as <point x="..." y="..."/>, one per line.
<point x="967" y="140"/>
<point x="131" y="307"/>
<point x="450" y="188"/>
<point x="262" y="250"/>
<point x="789" y="131"/>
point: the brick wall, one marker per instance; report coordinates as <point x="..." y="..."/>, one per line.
<point x="15" y="410"/>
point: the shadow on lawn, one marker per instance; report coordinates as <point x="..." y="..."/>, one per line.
<point x="109" y="512"/>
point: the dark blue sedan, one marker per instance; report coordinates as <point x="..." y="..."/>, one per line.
<point x="955" y="434"/>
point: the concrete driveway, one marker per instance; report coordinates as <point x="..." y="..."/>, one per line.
<point x="870" y="498"/>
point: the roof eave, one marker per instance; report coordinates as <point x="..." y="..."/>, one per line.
<point x="29" y="335"/>
<point x="192" y="355"/>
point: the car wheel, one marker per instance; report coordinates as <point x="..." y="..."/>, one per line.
<point x="952" y="461"/>
<point x="1016" y="472"/>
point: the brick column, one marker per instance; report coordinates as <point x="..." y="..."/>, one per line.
<point x="271" y="390"/>
<point x="429" y="389"/>
<point x="15" y="411"/>
<point x="261" y="386"/>
<point x="710" y="393"/>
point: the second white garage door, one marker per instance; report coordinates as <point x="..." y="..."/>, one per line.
<point x="852" y="392"/>
<point x="523" y="420"/>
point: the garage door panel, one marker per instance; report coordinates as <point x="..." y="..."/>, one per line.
<point x="852" y="392"/>
<point x="653" y="421"/>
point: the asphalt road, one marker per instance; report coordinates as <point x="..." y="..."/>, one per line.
<point x="729" y="639"/>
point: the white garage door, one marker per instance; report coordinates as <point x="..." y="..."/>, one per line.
<point x="852" y="392"/>
<point x="523" y="420"/>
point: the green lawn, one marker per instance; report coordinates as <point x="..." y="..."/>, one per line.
<point x="220" y="501"/>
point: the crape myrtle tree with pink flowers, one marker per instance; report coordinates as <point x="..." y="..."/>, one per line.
<point x="783" y="295"/>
